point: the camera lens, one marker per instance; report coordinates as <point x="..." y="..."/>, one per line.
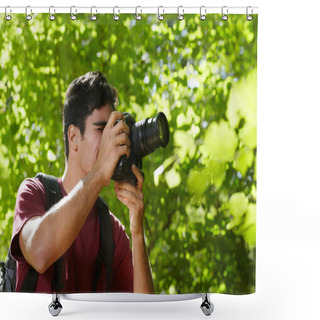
<point x="163" y="128"/>
<point x="150" y="134"/>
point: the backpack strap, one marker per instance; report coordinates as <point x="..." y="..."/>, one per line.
<point x="30" y="281"/>
<point x="52" y="187"/>
<point x="106" y="252"/>
<point x="8" y="274"/>
<point x="54" y="195"/>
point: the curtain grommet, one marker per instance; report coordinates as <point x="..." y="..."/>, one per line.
<point x="180" y="15"/>
<point x="51" y="16"/>
<point x="73" y="17"/>
<point x="7" y="16"/>
<point x="224" y="13"/>
<point x="28" y="15"/>
<point x="138" y="16"/>
<point x="116" y="17"/>
<point x="203" y="15"/>
<point x="92" y="16"/>
<point x="249" y="16"/>
<point x="160" y="16"/>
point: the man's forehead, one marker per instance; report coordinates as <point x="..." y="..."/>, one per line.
<point x="100" y="115"/>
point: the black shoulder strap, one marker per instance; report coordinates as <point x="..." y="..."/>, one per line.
<point x="30" y="281"/>
<point x="105" y="255"/>
<point x="53" y="195"/>
<point x="51" y="185"/>
<point x="8" y="274"/>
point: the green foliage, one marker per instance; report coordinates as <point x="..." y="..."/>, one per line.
<point x="200" y="191"/>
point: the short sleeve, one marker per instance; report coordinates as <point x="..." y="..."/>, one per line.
<point x="31" y="202"/>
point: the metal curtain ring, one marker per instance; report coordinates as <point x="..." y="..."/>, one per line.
<point x="203" y="14"/>
<point x="180" y="15"/>
<point x="72" y="16"/>
<point x="7" y="16"/>
<point x="138" y="17"/>
<point x="249" y="17"/>
<point x="160" y="16"/>
<point x="92" y="16"/>
<point x="224" y="15"/>
<point x="116" y="16"/>
<point x="28" y="16"/>
<point x="51" y="16"/>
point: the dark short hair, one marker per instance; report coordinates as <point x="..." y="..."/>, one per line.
<point x="85" y="94"/>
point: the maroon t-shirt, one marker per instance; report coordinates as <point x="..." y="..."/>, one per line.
<point x="79" y="261"/>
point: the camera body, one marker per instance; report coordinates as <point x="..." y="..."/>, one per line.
<point x="145" y="136"/>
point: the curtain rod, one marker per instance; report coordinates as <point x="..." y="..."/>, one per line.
<point x="180" y="10"/>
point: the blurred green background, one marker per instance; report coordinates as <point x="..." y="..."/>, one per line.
<point x="200" y="191"/>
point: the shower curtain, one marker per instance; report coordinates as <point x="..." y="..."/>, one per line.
<point x="200" y="190"/>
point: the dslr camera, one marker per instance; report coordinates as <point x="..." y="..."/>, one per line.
<point x="145" y="136"/>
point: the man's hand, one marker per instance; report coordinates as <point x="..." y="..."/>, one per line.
<point x="132" y="197"/>
<point x="114" y="143"/>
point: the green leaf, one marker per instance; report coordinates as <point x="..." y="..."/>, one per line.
<point x="248" y="135"/>
<point x="242" y="103"/>
<point x="198" y="181"/>
<point x="217" y="172"/>
<point x="51" y="156"/>
<point x="196" y="214"/>
<point x="238" y="205"/>
<point x="172" y="178"/>
<point x="184" y="143"/>
<point x="220" y="141"/>
<point x="243" y="160"/>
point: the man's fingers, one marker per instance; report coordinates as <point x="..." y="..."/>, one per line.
<point x="122" y="140"/>
<point x="114" y="116"/>
<point x="124" y="150"/>
<point x="121" y="127"/>
<point x="129" y="196"/>
<point x="124" y="185"/>
<point x="138" y="175"/>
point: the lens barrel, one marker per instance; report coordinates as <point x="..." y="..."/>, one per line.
<point x="150" y="134"/>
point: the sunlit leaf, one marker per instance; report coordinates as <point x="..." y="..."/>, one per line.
<point x="242" y="103"/>
<point x="243" y="160"/>
<point x="198" y="182"/>
<point x="196" y="214"/>
<point x="217" y="172"/>
<point x="250" y="235"/>
<point x="172" y="178"/>
<point x="238" y="205"/>
<point x="184" y="143"/>
<point x="51" y="156"/>
<point x="248" y="135"/>
<point x="221" y="141"/>
<point x="32" y="159"/>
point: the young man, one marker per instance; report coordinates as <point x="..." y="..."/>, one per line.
<point x="94" y="142"/>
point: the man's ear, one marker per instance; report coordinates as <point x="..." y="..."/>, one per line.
<point x="73" y="137"/>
